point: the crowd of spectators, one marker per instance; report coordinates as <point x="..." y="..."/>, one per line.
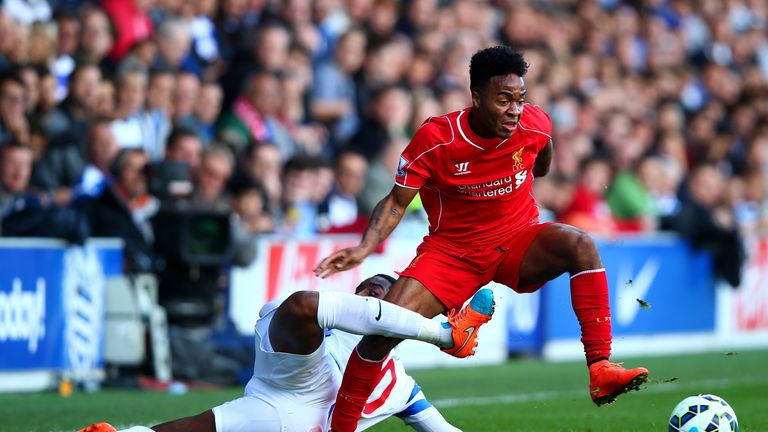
<point x="292" y="113"/>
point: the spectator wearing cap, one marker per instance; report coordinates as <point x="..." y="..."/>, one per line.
<point x="125" y="210"/>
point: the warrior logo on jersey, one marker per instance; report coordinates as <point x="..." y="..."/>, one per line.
<point x="461" y="168"/>
<point x="518" y="158"/>
<point x="401" y="166"/>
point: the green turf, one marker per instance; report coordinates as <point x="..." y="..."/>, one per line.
<point x="517" y="396"/>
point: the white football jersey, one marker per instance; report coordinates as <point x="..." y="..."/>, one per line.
<point x="310" y="380"/>
<point x="301" y="389"/>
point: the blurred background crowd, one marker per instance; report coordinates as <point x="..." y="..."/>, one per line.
<point x="289" y="116"/>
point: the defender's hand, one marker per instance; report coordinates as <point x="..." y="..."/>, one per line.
<point x="340" y="260"/>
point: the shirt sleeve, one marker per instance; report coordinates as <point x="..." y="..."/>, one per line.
<point x="544" y="124"/>
<point x="548" y="129"/>
<point x="415" y="166"/>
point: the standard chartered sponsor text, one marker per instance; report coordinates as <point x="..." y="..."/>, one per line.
<point x="489" y="189"/>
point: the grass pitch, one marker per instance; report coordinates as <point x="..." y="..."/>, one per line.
<point x="517" y="396"/>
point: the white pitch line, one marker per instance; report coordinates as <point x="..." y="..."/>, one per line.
<point x="668" y="387"/>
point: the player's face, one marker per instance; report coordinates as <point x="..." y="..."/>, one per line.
<point x="500" y="105"/>
<point x="376" y="287"/>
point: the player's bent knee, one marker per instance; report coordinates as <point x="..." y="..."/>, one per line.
<point x="301" y="305"/>
<point x="584" y="250"/>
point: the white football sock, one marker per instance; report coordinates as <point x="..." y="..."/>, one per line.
<point x="137" y="429"/>
<point x="371" y="316"/>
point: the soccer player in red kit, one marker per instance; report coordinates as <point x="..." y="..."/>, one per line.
<point x="474" y="170"/>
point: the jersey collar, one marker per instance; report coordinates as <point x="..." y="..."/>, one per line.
<point x="462" y="122"/>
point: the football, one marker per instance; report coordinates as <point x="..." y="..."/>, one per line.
<point x="703" y="413"/>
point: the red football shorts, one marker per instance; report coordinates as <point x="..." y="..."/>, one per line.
<point x="453" y="274"/>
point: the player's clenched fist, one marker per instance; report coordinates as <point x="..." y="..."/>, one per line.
<point x="340" y="260"/>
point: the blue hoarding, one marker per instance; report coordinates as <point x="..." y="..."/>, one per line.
<point x="31" y="308"/>
<point x="51" y="303"/>
<point x="658" y="285"/>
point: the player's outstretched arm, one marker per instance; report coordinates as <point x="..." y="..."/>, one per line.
<point x="386" y="216"/>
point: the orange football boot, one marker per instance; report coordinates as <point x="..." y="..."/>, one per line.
<point x="607" y="381"/>
<point x="467" y="322"/>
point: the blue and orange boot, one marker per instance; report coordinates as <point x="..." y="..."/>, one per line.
<point x="467" y="322"/>
<point x="607" y="381"/>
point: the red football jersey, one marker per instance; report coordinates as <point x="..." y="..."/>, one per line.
<point x="475" y="190"/>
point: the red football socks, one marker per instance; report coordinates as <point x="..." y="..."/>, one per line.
<point x="359" y="380"/>
<point x="589" y="297"/>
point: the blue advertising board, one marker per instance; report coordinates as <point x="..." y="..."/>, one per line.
<point x="525" y="331"/>
<point x="657" y="285"/>
<point x="51" y="303"/>
<point x="31" y="312"/>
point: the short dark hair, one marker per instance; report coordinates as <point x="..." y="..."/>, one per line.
<point x="304" y="163"/>
<point x="177" y="134"/>
<point x="387" y="277"/>
<point x="11" y="76"/>
<point x="381" y="275"/>
<point x="241" y="184"/>
<point x="495" y="61"/>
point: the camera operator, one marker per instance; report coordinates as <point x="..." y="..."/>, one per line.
<point x="198" y="237"/>
<point x="216" y="168"/>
